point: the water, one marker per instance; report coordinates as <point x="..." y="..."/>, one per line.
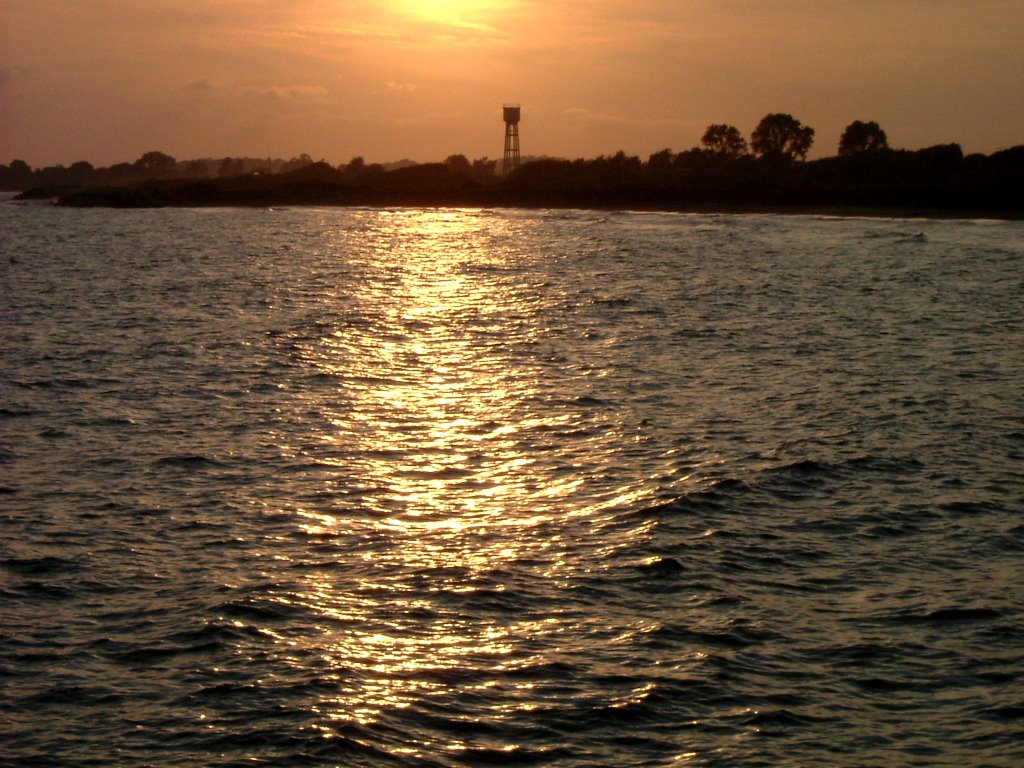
<point x="452" y="488"/>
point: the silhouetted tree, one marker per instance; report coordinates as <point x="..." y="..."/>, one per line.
<point x="17" y="175"/>
<point x="156" y="163"/>
<point x="623" y="164"/>
<point x="941" y="157"/>
<point x="862" y="137"/>
<point x="780" y="136"/>
<point x="80" y="172"/>
<point x="690" y="159"/>
<point x="355" y="166"/>
<point x="319" y="171"/>
<point x="20" y="167"/>
<point x="1009" y="161"/>
<point x="120" y="172"/>
<point x="231" y="166"/>
<point x="661" y="161"/>
<point x="484" y="170"/>
<point x="196" y="169"/>
<point x="724" y="140"/>
<point x="458" y="164"/>
<point x="52" y="174"/>
<point x="302" y="161"/>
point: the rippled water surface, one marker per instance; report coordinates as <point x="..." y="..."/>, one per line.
<point x="337" y="487"/>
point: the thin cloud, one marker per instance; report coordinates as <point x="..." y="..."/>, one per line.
<point x="394" y="87"/>
<point x="594" y="117"/>
<point x="199" y="86"/>
<point x="286" y="92"/>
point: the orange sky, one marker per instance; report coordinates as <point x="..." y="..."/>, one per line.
<point x="107" y="80"/>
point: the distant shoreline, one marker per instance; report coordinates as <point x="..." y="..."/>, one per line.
<point x="123" y="198"/>
<point x="934" y="182"/>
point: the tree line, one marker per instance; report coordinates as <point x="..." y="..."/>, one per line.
<point x="778" y="135"/>
<point x="727" y="170"/>
<point x="771" y="170"/>
<point x="19" y="175"/>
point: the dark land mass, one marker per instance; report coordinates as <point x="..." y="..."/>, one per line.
<point x="938" y="181"/>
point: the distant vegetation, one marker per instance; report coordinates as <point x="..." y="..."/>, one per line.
<point x="726" y="172"/>
<point x="157" y="165"/>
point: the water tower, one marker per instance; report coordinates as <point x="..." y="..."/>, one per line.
<point x="511" y="113"/>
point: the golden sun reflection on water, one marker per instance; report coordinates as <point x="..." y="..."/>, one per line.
<point x="442" y="418"/>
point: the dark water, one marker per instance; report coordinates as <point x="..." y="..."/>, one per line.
<point x="455" y="488"/>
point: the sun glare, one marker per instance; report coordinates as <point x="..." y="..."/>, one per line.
<point x="473" y="14"/>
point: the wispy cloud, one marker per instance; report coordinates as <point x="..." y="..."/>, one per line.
<point x="595" y="117"/>
<point x="286" y="92"/>
<point x="199" y="86"/>
<point x="394" y="87"/>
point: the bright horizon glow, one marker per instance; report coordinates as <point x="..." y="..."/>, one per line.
<point x="107" y="80"/>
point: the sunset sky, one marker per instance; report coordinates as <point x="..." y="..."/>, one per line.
<point x="107" y="80"/>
